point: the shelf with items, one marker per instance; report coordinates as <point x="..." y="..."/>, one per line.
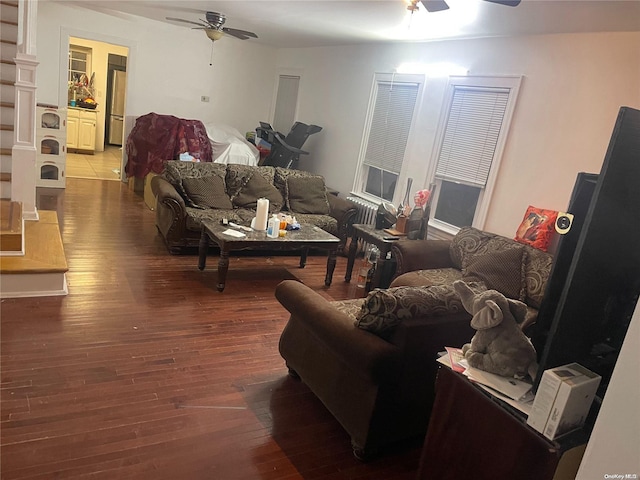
<point x="51" y="150"/>
<point x="50" y="173"/>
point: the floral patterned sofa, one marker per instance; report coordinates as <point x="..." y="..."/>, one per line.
<point x="189" y="192"/>
<point x="372" y="361"/>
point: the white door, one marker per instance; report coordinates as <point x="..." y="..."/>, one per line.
<point x="286" y="102"/>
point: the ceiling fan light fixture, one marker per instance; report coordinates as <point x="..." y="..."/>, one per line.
<point x="214" y="34"/>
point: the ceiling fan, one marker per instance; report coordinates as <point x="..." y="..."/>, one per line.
<point x="439" y="5"/>
<point x="213" y="27"/>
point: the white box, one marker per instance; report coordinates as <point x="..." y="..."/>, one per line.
<point x="563" y="399"/>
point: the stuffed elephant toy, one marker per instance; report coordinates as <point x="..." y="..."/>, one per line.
<point x="499" y="346"/>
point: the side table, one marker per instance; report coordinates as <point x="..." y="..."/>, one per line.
<point x="472" y="434"/>
<point x="384" y="270"/>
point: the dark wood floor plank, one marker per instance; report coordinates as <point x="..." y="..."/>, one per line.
<point x="145" y="371"/>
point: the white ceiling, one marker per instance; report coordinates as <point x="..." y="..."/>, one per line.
<point x="310" y="23"/>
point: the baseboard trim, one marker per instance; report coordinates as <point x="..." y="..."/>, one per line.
<point x="22" y="285"/>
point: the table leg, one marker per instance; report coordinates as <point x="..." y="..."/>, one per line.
<point x="303" y="256"/>
<point x="331" y="266"/>
<point x="223" y="268"/>
<point x="353" y="249"/>
<point x="203" y="247"/>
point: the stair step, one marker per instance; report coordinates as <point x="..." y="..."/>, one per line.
<point x="7" y="113"/>
<point x="9" y="29"/>
<point x="10" y="226"/>
<point x="44" y="252"/>
<point x="9" y="12"/>
<point x="42" y="269"/>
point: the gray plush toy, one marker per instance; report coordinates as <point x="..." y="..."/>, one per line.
<point x="499" y="346"/>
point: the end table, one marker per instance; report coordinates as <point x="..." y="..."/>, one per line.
<point x="385" y="268"/>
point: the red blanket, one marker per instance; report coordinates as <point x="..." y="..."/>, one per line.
<point x="156" y="138"/>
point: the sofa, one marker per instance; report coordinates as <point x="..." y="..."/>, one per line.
<point x="189" y="192"/>
<point x="372" y="361"/>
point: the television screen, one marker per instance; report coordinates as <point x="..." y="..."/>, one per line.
<point x="595" y="280"/>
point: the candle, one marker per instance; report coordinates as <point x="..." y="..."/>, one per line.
<point x="262" y="214"/>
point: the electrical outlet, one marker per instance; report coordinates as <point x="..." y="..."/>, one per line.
<point x="204" y="98"/>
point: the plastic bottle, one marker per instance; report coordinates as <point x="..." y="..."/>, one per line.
<point x="363" y="272"/>
<point x="273" y="227"/>
<point x="372" y="260"/>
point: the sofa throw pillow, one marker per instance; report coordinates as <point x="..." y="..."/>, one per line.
<point x="503" y="271"/>
<point x="537" y="227"/>
<point x="307" y="195"/>
<point x="384" y="309"/>
<point x="257" y="187"/>
<point x="207" y="192"/>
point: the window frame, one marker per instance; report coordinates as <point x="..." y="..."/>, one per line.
<point x="360" y="180"/>
<point x="88" y="60"/>
<point x="485" y="82"/>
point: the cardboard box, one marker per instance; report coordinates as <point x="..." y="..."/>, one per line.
<point x="135" y="184"/>
<point x="149" y="197"/>
<point x="563" y="399"/>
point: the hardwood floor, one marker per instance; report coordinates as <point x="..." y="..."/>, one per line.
<point x="145" y="371"/>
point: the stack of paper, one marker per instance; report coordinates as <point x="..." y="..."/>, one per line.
<point x="515" y="392"/>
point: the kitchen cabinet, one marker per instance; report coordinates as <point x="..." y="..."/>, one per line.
<point x="81" y="129"/>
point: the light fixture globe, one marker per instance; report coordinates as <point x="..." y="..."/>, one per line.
<point x="214" y="34"/>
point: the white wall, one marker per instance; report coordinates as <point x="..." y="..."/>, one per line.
<point x="572" y="89"/>
<point x="168" y="67"/>
<point x="614" y="446"/>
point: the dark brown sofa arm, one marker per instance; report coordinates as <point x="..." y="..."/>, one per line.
<point x="421" y="255"/>
<point x="344" y="211"/>
<point x="164" y="191"/>
<point x="370" y="356"/>
<point x="171" y="213"/>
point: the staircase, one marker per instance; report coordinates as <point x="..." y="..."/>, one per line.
<point x="32" y="259"/>
<point x="8" y="50"/>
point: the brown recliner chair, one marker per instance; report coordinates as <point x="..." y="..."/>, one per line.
<point x="380" y="389"/>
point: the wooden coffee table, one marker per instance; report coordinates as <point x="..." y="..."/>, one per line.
<point x="309" y="236"/>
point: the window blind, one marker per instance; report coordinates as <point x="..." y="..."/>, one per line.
<point x="471" y="134"/>
<point x="390" y="125"/>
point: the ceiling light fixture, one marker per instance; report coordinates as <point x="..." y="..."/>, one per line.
<point x="214" y="34"/>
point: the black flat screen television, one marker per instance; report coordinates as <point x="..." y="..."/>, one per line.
<point x="594" y="282"/>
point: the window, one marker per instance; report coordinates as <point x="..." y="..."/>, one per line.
<point x="388" y="126"/>
<point x="79" y="62"/>
<point x="476" y="122"/>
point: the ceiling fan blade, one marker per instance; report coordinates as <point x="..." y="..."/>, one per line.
<point x="242" y="34"/>
<point x="508" y="3"/>
<point x="435" y="5"/>
<point x="185" y="21"/>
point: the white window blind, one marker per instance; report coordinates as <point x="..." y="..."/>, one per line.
<point x="390" y="125"/>
<point x="471" y="134"/>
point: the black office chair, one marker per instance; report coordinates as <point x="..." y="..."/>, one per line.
<point x="285" y="152"/>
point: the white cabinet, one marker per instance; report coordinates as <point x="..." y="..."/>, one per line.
<point x="50" y="143"/>
<point x="81" y="129"/>
<point x="72" y="128"/>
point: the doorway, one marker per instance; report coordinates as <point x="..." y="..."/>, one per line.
<point x="286" y="103"/>
<point x="105" y="161"/>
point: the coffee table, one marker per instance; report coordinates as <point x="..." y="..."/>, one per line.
<point x="309" y="236"/>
